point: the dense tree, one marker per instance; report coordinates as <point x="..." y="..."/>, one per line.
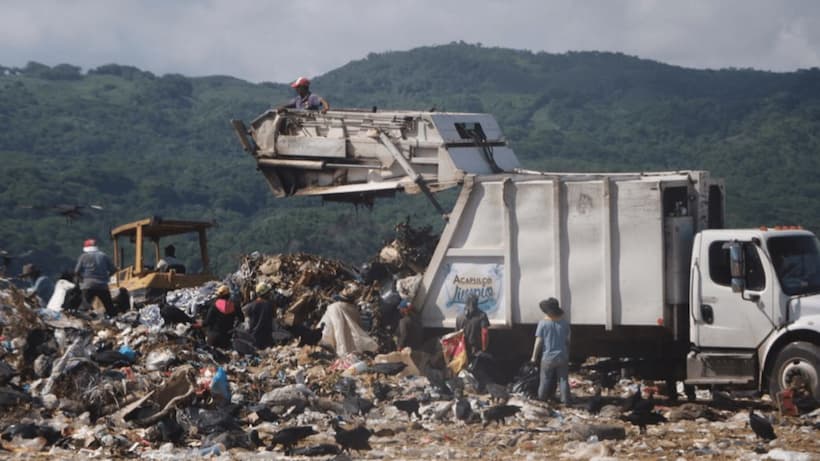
<point x="141" y="145"/>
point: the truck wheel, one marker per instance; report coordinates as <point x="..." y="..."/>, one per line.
<point x="798" y="358"/>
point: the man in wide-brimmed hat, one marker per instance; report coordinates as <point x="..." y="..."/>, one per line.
<point x="552" y="347"/>
<point x="41" y="287"/>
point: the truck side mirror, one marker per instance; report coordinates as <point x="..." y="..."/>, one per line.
<point x="737" y="266"/>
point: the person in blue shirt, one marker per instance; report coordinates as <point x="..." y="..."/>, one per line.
<point x="552" y="346"/>
<point x="305" y="100"/>
<point x="41" y="286"/>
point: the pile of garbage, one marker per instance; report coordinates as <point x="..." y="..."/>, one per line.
<point x="142" y="384"/>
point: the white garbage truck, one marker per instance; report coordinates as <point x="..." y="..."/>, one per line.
<point x="640" y="262"/>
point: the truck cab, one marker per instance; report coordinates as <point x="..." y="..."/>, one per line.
<point x="136" y="273"/>
<point x="755" y="308"/>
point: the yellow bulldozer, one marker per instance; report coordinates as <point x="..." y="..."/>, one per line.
<point x="138" y="266"/>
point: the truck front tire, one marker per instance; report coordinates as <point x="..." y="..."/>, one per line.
<point x="799" y="357"/>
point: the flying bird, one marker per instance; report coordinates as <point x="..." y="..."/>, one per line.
<point x="70" y="212"/>
<point x="761" y="426"/>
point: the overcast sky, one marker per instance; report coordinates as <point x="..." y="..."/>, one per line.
<point x="279" y="40"/>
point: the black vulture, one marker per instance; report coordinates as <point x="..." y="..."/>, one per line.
<point x="356" y="438"/>
<point x="761" y="426"/>
<point x="289" y="436"/>
<point x="408" y="406"/>
<point x="500" y="413"/>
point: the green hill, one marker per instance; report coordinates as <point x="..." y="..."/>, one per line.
<point x="140" y="144"/>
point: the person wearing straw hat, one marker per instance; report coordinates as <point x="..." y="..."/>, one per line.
<point x="552" y="347"/>
<point x="41" y="286"/>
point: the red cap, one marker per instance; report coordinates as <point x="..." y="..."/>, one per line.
<point x="301" y="81"/>
<point x="89" y="243"/>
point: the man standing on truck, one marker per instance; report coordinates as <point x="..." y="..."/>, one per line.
<point x="93" y="271"/>
<point x="552" y="345"/>
<point x="304" y="99"/>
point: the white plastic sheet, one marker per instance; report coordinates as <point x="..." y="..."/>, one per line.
<point x="342" y="331"/>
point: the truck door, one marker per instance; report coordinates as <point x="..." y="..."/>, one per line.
<point x="722" y="318"/>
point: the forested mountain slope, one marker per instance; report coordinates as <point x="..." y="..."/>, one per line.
<point x="140" y="144"/>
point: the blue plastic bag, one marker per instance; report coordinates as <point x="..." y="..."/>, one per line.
<point x="220" y="390"/>
<point x="128" y="352"/>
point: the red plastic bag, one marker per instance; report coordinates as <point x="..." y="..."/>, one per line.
<point x="454" y="349"/>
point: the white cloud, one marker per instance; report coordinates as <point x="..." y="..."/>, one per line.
<point x="277" y="41"/>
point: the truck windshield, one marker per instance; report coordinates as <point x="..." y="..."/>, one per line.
<point x="796" y="260"/>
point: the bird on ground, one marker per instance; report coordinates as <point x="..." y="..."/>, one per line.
<point x="322" y="449"/>
<point x="307" y="336"/>
<point x="345" y="386"/>
<point x="499" y="414"/>
<point x="645" y="405"/>
<point x="169" y="430"/>
<point x="463" y="409"/>
<point x="356" y="438"/>
<point x="381" y="391"/>
<point x="408" y="406"/>
<point x="498" y="393"/>
<point x="357" y="405"/>
<point x="642" y="419"/>
<point x="173" y="315"/>
<point x="389" y="368"/>
<point x="692" y="411"/>
<point x="632" y="400"/>
<point x="7" y="372"/>
<point x="30" y="431"/>
<point x="596" y="402"/>
<point x="290" y="436"/>
<point x="761" y="426"/>
<point x="111" y="358"/>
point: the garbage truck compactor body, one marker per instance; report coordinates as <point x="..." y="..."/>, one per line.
<point x="639" y="261"/>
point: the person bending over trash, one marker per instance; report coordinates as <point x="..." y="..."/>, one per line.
<point x="259" y="317"/>
<point x="552" y="345"/>
<point x="93" y="270"/>
<point x="410" y="333"/>
<point x="41" y="286"/>
<point x="221" y="318"/>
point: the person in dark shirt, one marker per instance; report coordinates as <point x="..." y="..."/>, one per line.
<point x="476" y="327"/>
<point x="93" y="270"/>
<point x="259" y="317"/>
<point x="220" y="319"/>
<point x="410" y="332"/>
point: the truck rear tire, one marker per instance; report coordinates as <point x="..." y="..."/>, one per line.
<point x="797" y="358"/>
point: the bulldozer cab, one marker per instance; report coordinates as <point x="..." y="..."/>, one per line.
<point x="137" y="254"/>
